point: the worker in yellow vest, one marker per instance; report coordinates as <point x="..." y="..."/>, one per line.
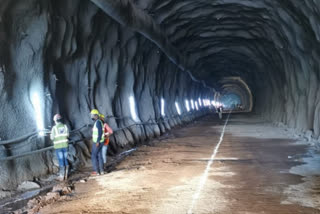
<point x="59" y="136"/>
<point x="97" y="143"/>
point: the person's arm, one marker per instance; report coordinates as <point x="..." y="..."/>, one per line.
<point x="52" y="134"/>
<point x="109" y="131"/>
<point x="99" y="127"/>
<point x="67" y="130"/>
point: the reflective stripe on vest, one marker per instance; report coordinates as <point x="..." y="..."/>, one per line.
<point x="95" y="132"/>
<point x="60" y="136"/>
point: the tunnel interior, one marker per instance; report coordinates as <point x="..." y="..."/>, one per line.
<point x="159" y="63"/>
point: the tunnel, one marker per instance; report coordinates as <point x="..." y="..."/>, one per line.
<point x="152" y="67"/>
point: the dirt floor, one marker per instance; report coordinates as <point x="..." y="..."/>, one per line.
<point x="252" y="167"/>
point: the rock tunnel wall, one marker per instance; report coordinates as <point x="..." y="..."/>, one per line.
<point x="75" y="58"/>
<point x="273" y="45"/>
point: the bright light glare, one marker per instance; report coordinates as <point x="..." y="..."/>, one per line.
<point x="162" y="107"/>
<point x="206" y="102"/>
<point x="197" y="107"/>
<point x="192" y="104"/>
<point x="215" y="104"/>
<point x="178" y="108"/>
<point x="42" y="133"/>
<point x="187" y="105"/>
<point x="133" y="109"/>
<point x="35" y="99"/>
<point x="200" y="102"/>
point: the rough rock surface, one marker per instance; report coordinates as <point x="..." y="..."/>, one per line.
<point x="28" y="185"/>
<point x="76" y="58"/>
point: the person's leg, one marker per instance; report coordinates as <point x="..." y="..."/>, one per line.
<point x="65" y="156"/>
<point x="100" y="159"/>
<point x="66" y="164"/>
<point x="104" y="153"/>
<point x="59" y="153"/>
<point x="94" y="153"/>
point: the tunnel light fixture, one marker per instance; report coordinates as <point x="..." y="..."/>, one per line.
<point x="162" y="107"/>
<point x="200" y="102"/>
<point x="192" y="104"/>
<point x="196" y="104"/>
<point x="206" y="102"/>
<point x="187" y="105"/>
<point x="215" y="104"/>
<point x="133" y="109"/>
<point x="36" y="102"/>
<point x="178" y="108"/>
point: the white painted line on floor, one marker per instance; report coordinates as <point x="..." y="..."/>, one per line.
<point x="206" y="171"/>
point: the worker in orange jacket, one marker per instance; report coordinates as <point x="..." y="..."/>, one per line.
<point x="107" y="133"/>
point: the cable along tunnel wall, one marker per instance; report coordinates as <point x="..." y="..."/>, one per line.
<point x="73" y="57"/>
<point x="76" y="58"/>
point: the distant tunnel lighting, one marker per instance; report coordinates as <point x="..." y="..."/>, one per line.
<point x="178" y="108"/>
<point x="162" y="107"/>
<point x="187" y="105"/>
<point x="133" y="109"/>
<point x="200" y="102"/>
<point x="197" y="107"/>
<point x="214" y="103"/>
<point x="36" y="102"/>
<point x="192" y="104"/>
<point x="204" y="102"/>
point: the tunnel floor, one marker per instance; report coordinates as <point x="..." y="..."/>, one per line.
<point x="257" y="169"/>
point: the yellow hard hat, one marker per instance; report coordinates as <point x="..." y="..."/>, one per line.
<point x="95" y="111"/>
<point x="102" y="116"/>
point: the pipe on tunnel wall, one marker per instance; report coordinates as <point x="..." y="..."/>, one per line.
<point x="127" y="14"/>
<point x="79" y="58"/>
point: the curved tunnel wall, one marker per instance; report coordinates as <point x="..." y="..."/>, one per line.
<point x="74" y="58"/>
<point x="77" y="58"/>
<point x="272" y="45"/>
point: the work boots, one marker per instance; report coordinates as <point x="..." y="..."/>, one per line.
<point x="66" y="173"/>
<point x="61" y="174"/>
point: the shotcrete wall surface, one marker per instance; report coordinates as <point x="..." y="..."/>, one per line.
<point x="72" y="56"/>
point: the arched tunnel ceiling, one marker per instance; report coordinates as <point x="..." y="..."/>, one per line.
<point x="70" y="57"/>
<point x="250" y="39"/>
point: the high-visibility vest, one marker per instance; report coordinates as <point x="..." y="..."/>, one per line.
<point x="61" y="134"/>
<point x="107" y="129"/>
<point x="95" y="132"/>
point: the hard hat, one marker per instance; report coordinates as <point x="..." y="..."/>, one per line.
<point x="95" y="111"/>
<point x="57" y="117"/>
<point x="102" y="116"/>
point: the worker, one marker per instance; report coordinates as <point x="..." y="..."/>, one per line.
<point x="107" y="133"/>
<point x="59" y="135"/>
<point x="220" y="111"/>
<point x="97" y="143"/>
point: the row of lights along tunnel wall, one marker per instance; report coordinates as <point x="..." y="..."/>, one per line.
<point x="190" y="105"/>
<point x="230" y="85"/>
